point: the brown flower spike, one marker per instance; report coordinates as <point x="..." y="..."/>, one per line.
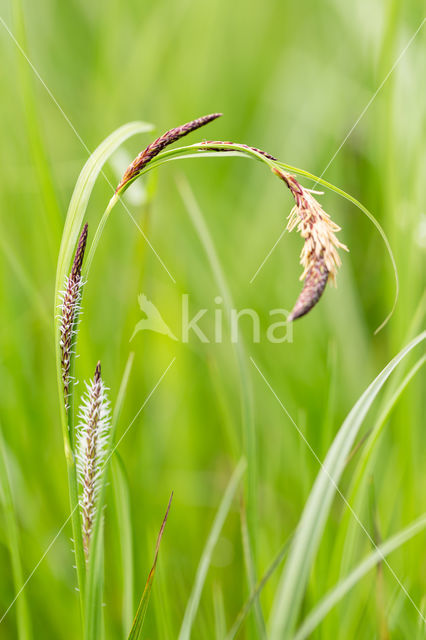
<point x="319" y="256"/>
<point x="70" y="307"/>
<point x="92" y="437"/>
<point x="159" y="144"/>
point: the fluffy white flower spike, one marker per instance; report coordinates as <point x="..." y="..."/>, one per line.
<point x="93" y="432"/>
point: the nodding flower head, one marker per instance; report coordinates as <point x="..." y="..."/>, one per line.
<point x="159" y="144"/>
<point x="319" y="257"/>
<point x="69" y="311"/>
<point x="93" y="433"/>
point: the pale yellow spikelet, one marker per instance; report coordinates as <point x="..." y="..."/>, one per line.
<point x="318" y="230"/>
<point x="319" y="257"/>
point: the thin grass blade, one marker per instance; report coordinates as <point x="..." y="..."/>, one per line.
<point x="121" y="493"/>
<point x="249" y="435"/>
<point x="143" y="604"/>
<point x="293" y="582"/>
<point x="83" y="189"/>
<point x="245" y="610"/>
<point x="344" y="586"/>
<point x="200" y="578"/>
<point x="251" y="571"/>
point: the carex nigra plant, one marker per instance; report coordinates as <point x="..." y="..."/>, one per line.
<point x="89" y="445"/>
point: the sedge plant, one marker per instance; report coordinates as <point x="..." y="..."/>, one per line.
<point x="89" y="431"/>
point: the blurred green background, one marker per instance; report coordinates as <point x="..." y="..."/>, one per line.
<point x="291" y="78"/>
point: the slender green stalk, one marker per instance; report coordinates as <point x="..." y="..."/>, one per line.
<point x="254" y="595"/>
<point x="222" y="512"/>
<point x="121" y="492"/>
<point x="248" y="424"/>
<point x="99" y="230"/>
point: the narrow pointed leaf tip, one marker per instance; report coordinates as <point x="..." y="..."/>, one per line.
<point x="158" y="145"/>
<point x="93" y="434"/>
<point x="319" y="256"/>
<point x="143" y="603"/>
<point x="70" y="299"/>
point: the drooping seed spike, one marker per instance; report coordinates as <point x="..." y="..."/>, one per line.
<point x="315" y="282"/>
<point x="319" y="256"/>
<point x="153" y="149"/>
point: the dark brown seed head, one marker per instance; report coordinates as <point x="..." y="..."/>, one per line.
<point x="319" y="256"/>
<point x="160" y="143"/>
<point x="79" y="254"/>
<point x="315" y="282"/>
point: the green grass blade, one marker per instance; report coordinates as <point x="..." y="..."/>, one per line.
<point x="12" y="529"/>
<point x="124" y="527"/>
<point x="93" y="620"/>
<point x="83" y="189"/>
<point x="257" y="591"/>
<point x="251" y="573"/>
<point x="202" y="230"/>
<point x="312" y="522"/>
<point x="219" y="612"/>
<point x="362" y="473"/>
<point x="200" y="578"/>
<point x="343" y="587"/>
<point x="143" y="604"/>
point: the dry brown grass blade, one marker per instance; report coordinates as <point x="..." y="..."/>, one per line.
<point x="143" y="604"/>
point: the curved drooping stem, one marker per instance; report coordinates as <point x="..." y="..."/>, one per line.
<point x="211" y="149"/>
<point x="319" y="255"/>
